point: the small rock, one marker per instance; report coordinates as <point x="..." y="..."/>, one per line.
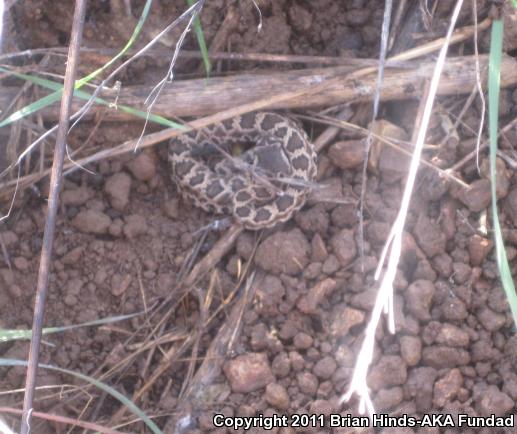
<point x="411" y="349"/>
<point x="300" y="18"/>
<point x="461" y="272"/>
<point x="277" y="396"/>
<point x="314" y="219"/>
<point x="135" y="226"/>
<point x="389" y="371"/>
<point x="91" y="221"/>
<point x="388" y="398"/>
<point x="77" y="196"/>
<point x="302" y="341"/>
<point x="321" y="406"/>
<point x="245" y="245"/>
<point x="72" y="256"/>
<point x="494" y="402"/>
<point x="419" y="298"/>
<point x="171" y="208"/>
<point x="308" y="383"/>
<point x="115" y="228"/>
<point x="308" y="304"/>
<point x="143" y="167"/>
<point x="117" y="188"/>
<point x="440" y="357"/>
<point x="318" y="250"/>
<point x="419" y="387"/>
<point x="248" y="372"/>
<point x="479" y="248"/>
<point x="510" y="205"/>
<point x="446" y="389"/>
<point x="443" y="264"/>
<point x="454" y="309"/>
<point x="491" y="321"/>
<point x="120" y="284"/>
<point x="429" y="236"/>
<point x="281" y="365"/>
<point x="331" y="265"/>
<point x="21" y="263"/>
<point x="452" y="336"/>
<point x="343" y="245"/>
<point x="284" y="252"/>
<point x="347" y="154"/>
<point x="343" y="319"/>
<point x="325" y="367"/>
<point x="478" y="196"/>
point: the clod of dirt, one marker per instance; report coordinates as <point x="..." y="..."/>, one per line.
<point x="309" y="303"/>
<point x="343" y="319"/>
<point x="478" y="196"/>
<point x="511" y="205"/>
<point x="411" y="349"/>
<point x="314" y="219"/>
<point x="318" y="249"/>
<point x="143" y="167"/>
<point x="388" y="398"/>
<point x="493" y="402"/>
<point x="447" y="388"/>
<point x="248" y="372"/>
<point x="347" y="154"/>
<point x="324" y="368"/>
<point x="77" y="196"/>
<point x="343" y="245"/>
<point x="284" y="252"/>
<point x="307" y="383"/>
<point x="451" y="336"/>
<point x="91" y="221"/>
<point x="277" y="396"/>
<point x="439" y="356"/>
<point x="419" y="299"/>
<point x="479" y="248"/>
<point x="388" y="372"/>
<point x="303" y="341"/>
<point x="429" y="236"/>
<point x="135" y="225"/>
<point x="491" y="321"/>
<point x="300" y="18"/>
<point x="117" y="188"/>
<point x="420" y="387"/>
<point x="281" y="365"/>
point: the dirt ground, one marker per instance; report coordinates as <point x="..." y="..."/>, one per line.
<point x="124" y="236"/>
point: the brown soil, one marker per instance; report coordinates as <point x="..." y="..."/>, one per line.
<point x="124" y="235"/>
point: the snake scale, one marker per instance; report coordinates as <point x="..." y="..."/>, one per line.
<point x="262" y="186"/>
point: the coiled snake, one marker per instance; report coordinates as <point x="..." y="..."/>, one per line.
<point x="261" y="187"/>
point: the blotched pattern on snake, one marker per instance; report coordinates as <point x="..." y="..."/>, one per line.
<point x="262" y="186"/>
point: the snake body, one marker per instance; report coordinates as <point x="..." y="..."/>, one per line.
<point x="261" y="187"/>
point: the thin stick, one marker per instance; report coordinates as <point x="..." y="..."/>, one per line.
<point x="50" y="223"/>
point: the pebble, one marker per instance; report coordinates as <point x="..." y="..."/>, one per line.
<point x="347" y="154"/>
<point x="118" y="187"/>
<point x="419" y="299"/>
<point x="388" y="398"/>
<point x="284" y="252"/>
<point x="135" y="225"/>
<point x="478" y="196"/>
<point x="308" y="304"/>
<point x="389" y="371"/>
<point x="21" y="263"/>
<point x="510" y="205"/>
<point x="343" y="319"/>
<point x="318" y="249"/>
<point x="315" y="219"/>
<point x="447" y="388"/>
<point x="494" y="402"/>
<point x="324" y="368"/>
<point x="281" y="365"/>
<point x="479" y="248"/>
<point x="299" y="17"/>
<point x="491" y="321"/>
<point x="429" y="236"/>
<point x="303" y="341"/>
<point x="277" y="396"/>
<point x="143" y="167"/>
<point x="411" y="349"/>
<point x="248" y="373"/>
<point x="308" y="383"/>
<point x="452" y="336"/>
<point x="344" y="247"/>
<point x="91" y="221"/>
<point x="439" y="356"/>
<point x="77" y="196"/>
<point x="419" y="387"/>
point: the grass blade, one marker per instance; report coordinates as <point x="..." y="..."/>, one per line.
<point x="201" y="41"/>
<point x="12" y="335"/>
<point x="108" y="389"/>
<point x="496" y="49"/>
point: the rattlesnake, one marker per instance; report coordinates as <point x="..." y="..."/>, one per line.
<point x="261" y="187"/>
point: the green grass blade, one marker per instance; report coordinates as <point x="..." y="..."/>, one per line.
<point x="56" y="96"/>
<point x="12" y="335"/>
<point x="496" y="49"/>
<point x="201" y="41"/>
<point x="52" y="85"/>
<point x="109" y="390"/>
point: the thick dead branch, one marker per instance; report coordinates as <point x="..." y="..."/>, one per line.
<point x="202" y="97"/>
